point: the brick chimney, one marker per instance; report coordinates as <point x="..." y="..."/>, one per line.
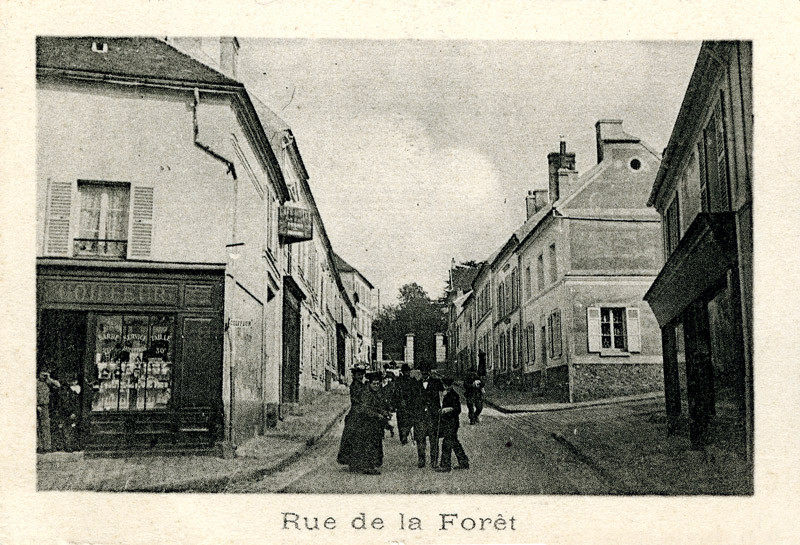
<point x="535" y="201"/>
<point x="609" y="131"/>
<point x="560" y="164"/>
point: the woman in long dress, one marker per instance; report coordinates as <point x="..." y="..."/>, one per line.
<point x="369" y="420"/>
<point x="357" y="392"/>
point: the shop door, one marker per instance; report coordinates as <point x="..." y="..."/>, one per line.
<point x="61" y="350"/>
<point x="291" y="349"/>
<point x="201" y="364"/>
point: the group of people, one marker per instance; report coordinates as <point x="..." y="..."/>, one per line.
<point x="57" y="413"/>
<point x="427" y="409"/>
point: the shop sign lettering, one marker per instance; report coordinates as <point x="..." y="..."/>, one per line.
<point x="70" y="291"/>
<point x="295" y="224"/>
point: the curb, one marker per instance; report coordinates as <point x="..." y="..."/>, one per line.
<point x="571" y="406"/>
<point x="214" y="484"/>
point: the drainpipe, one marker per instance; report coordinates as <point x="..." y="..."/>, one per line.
<point x="231" y="249"/>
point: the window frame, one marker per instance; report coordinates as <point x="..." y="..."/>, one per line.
<point x="103" y="212"/>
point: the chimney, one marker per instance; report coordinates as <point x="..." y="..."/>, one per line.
<point x="228" y="56"/>
<point x="560" y="165"/>
<point x="609" y="131"/>
<point x="535" y="201"/>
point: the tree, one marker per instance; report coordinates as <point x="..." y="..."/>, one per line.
<point x="416" y="313"/>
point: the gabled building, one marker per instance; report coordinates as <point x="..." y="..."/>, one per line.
<point x="159" y="261"/>
<point x="361" y="293"/>
<point x="703" y="295"/>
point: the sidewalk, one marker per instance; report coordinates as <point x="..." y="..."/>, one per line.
<point x="257" y="457"/>
<point x="513" y="401"/>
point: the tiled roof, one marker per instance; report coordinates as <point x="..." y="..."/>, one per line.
<point x="132" y="57"/>
<point x="463" y="277"/>
<point x="343" y="267"/>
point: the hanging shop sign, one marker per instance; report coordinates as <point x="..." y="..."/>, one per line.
<point x="295" y="224"/>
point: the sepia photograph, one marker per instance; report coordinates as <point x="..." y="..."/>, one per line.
<point x="398" y="266"/>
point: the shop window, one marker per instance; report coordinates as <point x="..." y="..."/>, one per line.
<point x="103" y="227"/>
<point x="133" y="362"/>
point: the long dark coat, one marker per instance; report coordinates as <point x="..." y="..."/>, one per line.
<point x="358" y="391"/>
<point x="369" y="421"/>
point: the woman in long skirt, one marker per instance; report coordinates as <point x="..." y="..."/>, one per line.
<point x="369" y="421"/>
<point x="357" y="392"/>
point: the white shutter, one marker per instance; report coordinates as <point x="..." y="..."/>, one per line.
<point x="634" y="335"/>
<point x="59" y="208"/>
<point x="142" y="223"/>
<point x="593" y="328"/>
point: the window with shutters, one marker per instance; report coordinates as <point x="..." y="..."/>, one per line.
<point x="671" y="226"/>
<point x="103" y="221"/>
<point x="613" y="329"/>
<point x="713" y="153"/>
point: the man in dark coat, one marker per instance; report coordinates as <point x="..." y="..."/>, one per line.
<point x="406" y="392"/>
<point x="451" y="409"/>
<point x="473" y="394"/>
<point x="69" y="397"/>
<point x="357" y="392"/>
<point x="370" y="418"/>
<point x="426" y="421"/>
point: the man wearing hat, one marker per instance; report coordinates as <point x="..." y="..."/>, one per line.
<point x="451" y="409"/>
<point x="426" y="421"/>
<point x="357" y="392"/>
<point x="406" y="392"/>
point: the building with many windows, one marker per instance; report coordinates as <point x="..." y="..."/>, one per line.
<point x="361" y="292"/>
<point x="165" y="231"/>
<point x="568" y="319"/>
<point x="703" y="295"/>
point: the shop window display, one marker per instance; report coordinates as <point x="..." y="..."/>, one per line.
<point x="133" y="359"/>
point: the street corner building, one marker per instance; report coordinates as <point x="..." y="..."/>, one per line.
<point x="703" y="295"/>
<point x="184" y="276"/>
<point x="558" y="310"/>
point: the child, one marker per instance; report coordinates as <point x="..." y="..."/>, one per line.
<point x="451" y="408"/>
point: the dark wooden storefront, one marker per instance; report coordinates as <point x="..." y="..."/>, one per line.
<point x="144" y="343"/>
<point x="290" y="372"/>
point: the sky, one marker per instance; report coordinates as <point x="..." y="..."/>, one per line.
<point x="422" y="151"/>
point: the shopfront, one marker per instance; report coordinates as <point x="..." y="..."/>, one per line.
<point x="145" y="346"/>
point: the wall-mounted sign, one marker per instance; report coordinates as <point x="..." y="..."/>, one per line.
<point x="107" y="293"/>
<point x="240" y="323"/>
<point x="295" y="224"/>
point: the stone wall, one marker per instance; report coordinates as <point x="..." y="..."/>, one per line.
<point x="598" y="381"/>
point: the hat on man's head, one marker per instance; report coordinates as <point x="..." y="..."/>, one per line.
<point x="357" y="369"/>
<point x="374" y="376"/>
<point x="447" y="381"/>
<point x="405" y="368"/>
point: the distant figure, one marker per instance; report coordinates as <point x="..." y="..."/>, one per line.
<point x="482" y="364"/>
<point x="357" y="392"/>
<point x="406" y="395"/>
<point x="69" y="410"/>
<point x="451" y="409"/>
<point x="473" y="393"/>
<point x="426" y="421"/>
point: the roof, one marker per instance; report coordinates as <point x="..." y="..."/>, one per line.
<point x="462" y="277"/>
<point x="344" y="267"/>
<point x="132" y="57"/>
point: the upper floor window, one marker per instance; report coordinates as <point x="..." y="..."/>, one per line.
<point x="103" y="227"/>
<point x="553" y="263"/>
<point x="671" y="226"/>
<point x="713" y="153"/>
<point x="540" y="272"/>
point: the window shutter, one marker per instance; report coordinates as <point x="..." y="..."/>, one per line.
<point x="59" y="208"/>
<point x="593" y="328"/>
<point x="142" y="223"/>
<point x="634" y="335"/>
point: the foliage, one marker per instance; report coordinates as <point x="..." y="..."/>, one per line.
<point x="416" y="313"/>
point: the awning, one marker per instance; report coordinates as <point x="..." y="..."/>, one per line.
<point x="705" y="253"/>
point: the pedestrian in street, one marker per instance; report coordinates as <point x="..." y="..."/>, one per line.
<point x="473" y="394"/>
<point x="358" y="391"/>
<point x="426" y="421"/>
<point x="405" y="402"/>
<point x="44" y="384"/>
<point x="451" y="409"/>
<point x="370" y="419"/>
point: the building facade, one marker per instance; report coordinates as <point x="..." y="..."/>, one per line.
<point x="361" y="292"/>
<point x="702" y="296"/>
<point x="568" y="318"/>
<point x="164" y="234"/>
